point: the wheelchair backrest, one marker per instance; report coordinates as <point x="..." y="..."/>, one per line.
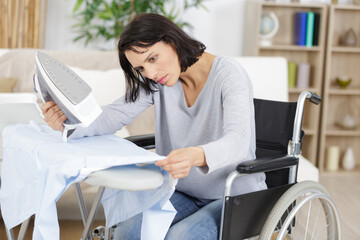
<point x="274" y="123"/>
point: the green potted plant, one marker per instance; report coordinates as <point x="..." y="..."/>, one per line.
<point x="107" y="18"/>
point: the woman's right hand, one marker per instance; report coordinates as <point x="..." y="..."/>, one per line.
<point x="53" y="115"/>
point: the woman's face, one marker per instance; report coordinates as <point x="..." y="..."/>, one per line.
<point x="159" y="63"/>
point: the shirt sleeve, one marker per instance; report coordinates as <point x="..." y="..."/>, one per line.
<point x="238" y="141"/>
<point x="115" y="116"/>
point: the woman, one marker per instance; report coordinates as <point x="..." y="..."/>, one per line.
<point x="204" y="120"/>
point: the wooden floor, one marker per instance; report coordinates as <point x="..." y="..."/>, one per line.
<point x="344" y="190"/>
<point x="69" y="230"/>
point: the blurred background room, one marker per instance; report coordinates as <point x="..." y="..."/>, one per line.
<point x="322" y="53"/>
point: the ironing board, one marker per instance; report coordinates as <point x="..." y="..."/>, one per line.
<point x="121" y="178"/>
<point x="139" y="178"/>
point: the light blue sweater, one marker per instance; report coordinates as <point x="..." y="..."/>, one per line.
<point x="221" y="121"/>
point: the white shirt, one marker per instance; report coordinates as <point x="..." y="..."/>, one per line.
<point x="38" y="167"/>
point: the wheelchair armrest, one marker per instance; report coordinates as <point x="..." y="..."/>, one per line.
<point x="146" y="141"/>
<point x="267" y="164"/>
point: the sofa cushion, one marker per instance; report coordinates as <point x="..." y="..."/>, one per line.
<point x="107" y="86"/>
<point x="265" y="73"/>
<point x="7" y="84"/>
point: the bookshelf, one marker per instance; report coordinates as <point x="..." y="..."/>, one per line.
<point x="282" y="45"/>
<point x="341" y="60"/>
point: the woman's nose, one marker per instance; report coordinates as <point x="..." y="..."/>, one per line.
<point x="150" y="73"/>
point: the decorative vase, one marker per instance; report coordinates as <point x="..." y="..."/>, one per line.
<point x="292" y="67"/>
<point x="332" y="158"/>
<point x="349" y="39"/>
<point x="348" y="162"/>
<point x="343" y="81"/>
<point x="303" y="75"/>
<point x="347" y="114"/>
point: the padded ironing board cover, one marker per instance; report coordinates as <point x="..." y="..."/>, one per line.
<point x="38" y="167"/>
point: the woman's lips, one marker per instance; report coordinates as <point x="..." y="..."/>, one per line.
<point x="162" y="80"/>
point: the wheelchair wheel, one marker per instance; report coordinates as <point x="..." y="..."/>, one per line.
<point x="304" y="211"/>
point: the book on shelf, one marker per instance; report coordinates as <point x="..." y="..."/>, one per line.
<point x="316" y="29"/>
<point x="309" y="29"/>
<point x="300" y="26"/>
<point x="306" y="28"/>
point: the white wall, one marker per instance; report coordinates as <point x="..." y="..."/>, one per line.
<point x="220" y="28"/>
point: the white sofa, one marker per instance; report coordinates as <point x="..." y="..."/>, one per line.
<point x="101" y="70"/>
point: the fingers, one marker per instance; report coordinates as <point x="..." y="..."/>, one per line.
<point x="53" y="115"/>
<point x="49" y="109"/>
<point x="178" y="169"/>
<point x="57" y="120"/>
<point x="177" y="165"/>
<point x="46" y="106"/>
<point x="179" y="162"/>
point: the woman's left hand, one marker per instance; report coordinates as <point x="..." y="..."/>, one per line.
<point x="179" y="162"/>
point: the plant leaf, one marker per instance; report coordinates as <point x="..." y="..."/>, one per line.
<point x="104" y="15"/>
<point x="108" y="9"/>
<point x="77" y="5"/>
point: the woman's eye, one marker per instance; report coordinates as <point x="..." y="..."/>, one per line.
<point x="153" y="59"/>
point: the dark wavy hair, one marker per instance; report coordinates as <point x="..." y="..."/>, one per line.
<point x="145" y="30"/>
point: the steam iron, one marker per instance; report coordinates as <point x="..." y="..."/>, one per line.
<point x="53" y="81"/>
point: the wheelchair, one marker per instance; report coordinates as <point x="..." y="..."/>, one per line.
<point x="287" y="209"/>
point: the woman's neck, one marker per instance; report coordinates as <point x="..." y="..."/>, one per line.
<point x="195" y="76"/>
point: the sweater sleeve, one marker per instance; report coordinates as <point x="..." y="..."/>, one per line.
<point x="115" y="116"/>
<point x="238" y="141"/>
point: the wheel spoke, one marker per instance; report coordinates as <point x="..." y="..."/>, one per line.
<point x="307" y="220"/>
<point x="321" y="230"/>
<point x="316" y="221"/>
